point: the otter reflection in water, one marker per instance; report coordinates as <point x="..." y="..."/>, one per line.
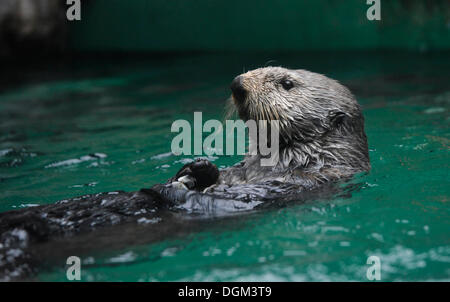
<point x="321" y="142"/>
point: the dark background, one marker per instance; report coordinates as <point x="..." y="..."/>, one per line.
<point x="40" y="26"/>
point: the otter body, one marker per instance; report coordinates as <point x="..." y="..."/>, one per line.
<point x="321" y="137"/>
<point x="321" y="141"/>
<point x="322" y="134"/>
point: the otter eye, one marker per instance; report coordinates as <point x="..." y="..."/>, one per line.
<point x="287" y="84"/>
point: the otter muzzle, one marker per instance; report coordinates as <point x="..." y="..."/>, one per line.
<point x="237" y="87"/>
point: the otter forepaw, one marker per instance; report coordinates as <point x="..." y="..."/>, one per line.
<point x="197" y="175"/>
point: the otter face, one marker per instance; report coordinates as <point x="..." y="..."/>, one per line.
<point x="306" y="104"/>
<point x="320" y="122"/>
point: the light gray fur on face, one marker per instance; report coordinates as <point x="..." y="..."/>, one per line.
<point x="322" y="134"/>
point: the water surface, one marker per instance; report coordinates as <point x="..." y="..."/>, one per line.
<point x="95" y="124"/>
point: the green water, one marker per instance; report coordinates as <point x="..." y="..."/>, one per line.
<point x="54" y="115"/>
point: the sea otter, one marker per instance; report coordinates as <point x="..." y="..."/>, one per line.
<point x="321" y="142"/>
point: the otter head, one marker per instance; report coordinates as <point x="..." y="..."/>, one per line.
<point x="321" y="124"/>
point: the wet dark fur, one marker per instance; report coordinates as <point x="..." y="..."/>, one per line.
<point x="322" y="141"/>
<point x="322" y="136"/>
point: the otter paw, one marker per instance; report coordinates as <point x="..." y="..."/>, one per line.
<point x="197" y="175"/>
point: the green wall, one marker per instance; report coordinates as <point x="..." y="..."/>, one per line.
<point x="191" y="25"/>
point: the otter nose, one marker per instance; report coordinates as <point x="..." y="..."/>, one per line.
<point x="238" y="89"/>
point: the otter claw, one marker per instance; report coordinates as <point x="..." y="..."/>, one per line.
<point x="188" y="181"/>
<point x="179" y="185"/>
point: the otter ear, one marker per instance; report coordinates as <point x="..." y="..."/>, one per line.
<point x="336" y="118"/>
